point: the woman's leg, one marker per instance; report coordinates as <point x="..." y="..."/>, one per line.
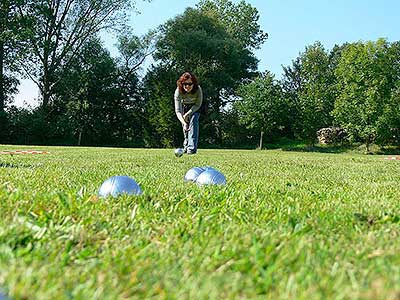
<point x="185" y="139"/>
<point x="193" y="134"/>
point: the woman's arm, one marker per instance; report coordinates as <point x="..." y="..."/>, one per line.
<point x="197" y="105"/>
<point x="178" y="108"/>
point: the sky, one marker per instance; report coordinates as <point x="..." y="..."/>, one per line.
<point x="291" y="25"/>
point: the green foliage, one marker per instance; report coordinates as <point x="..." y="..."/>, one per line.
<point x="25" y="126"/>
<point x="388" y="124"/>
<point x="261" y="107"/>
<point x="133" y="50"/>
<point x="13" y="31"/>
<point x="98" y="103"/>
<point x="59" y="30"/>
<point x="288" y="225"/>
<point x="199" y="41"/>
<point x="234" y="134"/>
<point x="239" y="20"/>
<point x="316" y="97"/>
<point x="162" y="128"/>
<point x="89" y="98"/>
<point x="365" y="75"/>
<point x="4" y="125"/>
<point x="291" y="84"/>
<point x="309" y="89"/>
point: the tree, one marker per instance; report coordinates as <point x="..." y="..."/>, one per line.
<point x="134" y="50"/>
<point x="316" y="97"/>
<point x="133" y="53"/>
<point x="60" y="29"/>
<point x="291" y="84"/>
<point x="12" y="31"/>
<point x="4" y="13"/>
<point x="7" y="38"/>
<point x="234" y="134"/>
<point x="198" y="41"/>
<point x="309" y="88"/>
<point x="240" y="21"/>
<point x="388" y="125"/>
<point x="365" y="84"/>
<point x="93" y="102"/>
<point x="162" y="129"/>
<point x="261" y="105"/>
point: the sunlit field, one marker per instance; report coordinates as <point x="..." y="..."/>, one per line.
<point x="288" y="225"/>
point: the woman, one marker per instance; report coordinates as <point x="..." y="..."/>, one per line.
<point x="188" y="99"/>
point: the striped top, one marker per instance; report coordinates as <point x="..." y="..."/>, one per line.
<point x="194" y="100"/>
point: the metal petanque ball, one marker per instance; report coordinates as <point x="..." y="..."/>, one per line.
<point x="118" y="185"/>
<point x="211" y="177"/>
<point x="193" y="173"/>
<point x="178" y="152"/>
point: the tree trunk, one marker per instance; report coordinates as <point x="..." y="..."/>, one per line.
<point x="45" y="92"/>
<point x="4" y="12"/>
<point x="79" y="137"/>
<point x="2" y="86"/>
<point x="261" y="138"/>
<point x="367" y="143"/>
<point x="3" y="117"/>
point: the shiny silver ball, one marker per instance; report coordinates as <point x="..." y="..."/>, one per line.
<point x="118" y="185"/>
<point x="211" y="177"/>
<point x="178" y="152"/>
<point x="193" y="173"/>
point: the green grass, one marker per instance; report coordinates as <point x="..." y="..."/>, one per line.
<point x="288" y="225"/>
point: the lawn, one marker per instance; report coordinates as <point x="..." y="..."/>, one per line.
<point x="288" y="225"/>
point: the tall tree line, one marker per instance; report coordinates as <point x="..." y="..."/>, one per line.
<point x="355" y="86"/>
<point x="91" y="98"/>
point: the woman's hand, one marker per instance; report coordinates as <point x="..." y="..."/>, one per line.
<point x="186" y="117"/>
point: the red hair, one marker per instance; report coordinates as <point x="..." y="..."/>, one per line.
<point x="185" y="76"/>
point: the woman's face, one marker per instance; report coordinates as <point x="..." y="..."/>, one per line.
<point x="187" y="85"/>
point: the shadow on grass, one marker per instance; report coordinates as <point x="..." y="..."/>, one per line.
<point x="389" y="151"/>
<point x="296" y="146"/>
<point x="317" y="148"/>
<point x="11" y="165"/>
<point x="299" y="146"/>
<point x="374" y="150"/>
